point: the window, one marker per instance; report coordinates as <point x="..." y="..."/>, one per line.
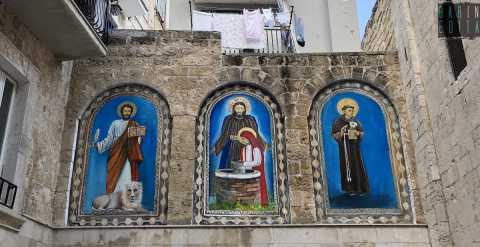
<point x="456" y="52"/>
<point x="6" y="95"/>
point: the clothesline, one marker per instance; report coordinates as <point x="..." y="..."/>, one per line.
<point x="246" y="30"/>
<point x="282" y="19"/>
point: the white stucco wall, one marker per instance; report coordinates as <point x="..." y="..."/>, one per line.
<point x="344" y="25"/>
<point x="178" y="14"/>
<point x="317" y="25"/>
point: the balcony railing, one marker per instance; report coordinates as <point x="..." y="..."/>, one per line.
<point x="97" y="13"/>
<point x="277" y="41"/>
<point x="8" y="191"/>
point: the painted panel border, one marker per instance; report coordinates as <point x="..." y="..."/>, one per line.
<point x="159" y="216"/>
<point x="405" y="213"/>
<point x="201" y="212"/>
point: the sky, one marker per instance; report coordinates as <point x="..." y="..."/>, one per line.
<point x="364" y="9"/>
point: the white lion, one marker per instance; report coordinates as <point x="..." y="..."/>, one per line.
<point x="129" y="199"/>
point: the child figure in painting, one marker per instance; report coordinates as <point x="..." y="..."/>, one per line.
<point x="252" y="157"/>
<point x="348" y="132"/>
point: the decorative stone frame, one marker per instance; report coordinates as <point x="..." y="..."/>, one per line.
<point x="159" y="216"/>
<point x="201" y="213"/>
<point x="404" y="213"/>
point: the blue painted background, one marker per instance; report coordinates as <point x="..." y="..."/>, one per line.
<point x="375" y="154"/>
<point x="95" y="181"/>
<point x="259" y="111"/>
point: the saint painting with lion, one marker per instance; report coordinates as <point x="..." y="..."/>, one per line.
<point x="124" y="158"/>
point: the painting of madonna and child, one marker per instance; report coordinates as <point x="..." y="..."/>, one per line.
<point x="120" y="172"/>
<point x="241" y="166"/>
<point x="357" y="159"/>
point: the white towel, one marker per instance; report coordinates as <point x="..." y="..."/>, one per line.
<point x="232" y="28"/>
<point x="268" y="17"/>
<point x="253" y="24"/>
<point x="283" y="18"/>
<point x="202" y="21"/>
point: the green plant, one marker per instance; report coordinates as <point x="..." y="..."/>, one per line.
<point x="256" y="207"/>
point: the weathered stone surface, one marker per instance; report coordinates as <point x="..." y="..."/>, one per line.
<point x="444" y="117"/>
<point x="248" y="236"/>
<point x="32" y="146"/>
<point x="379" y="33"/>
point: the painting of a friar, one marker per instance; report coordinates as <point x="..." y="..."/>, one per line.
<point x="348" y="133"/>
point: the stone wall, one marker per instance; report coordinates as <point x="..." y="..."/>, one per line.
<point x="186" y="66"/>
<point x="447" y="125"/>
<point x="379" y="34"/>
<point x="276" y="236"/>
<point x="34" y="138"/>
<point x="445" y="120"/>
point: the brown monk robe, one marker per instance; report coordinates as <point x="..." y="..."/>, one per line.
<point x="124" y="148"/>
<point x="352" y="171"/>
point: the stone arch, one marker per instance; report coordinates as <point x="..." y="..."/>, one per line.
<point x="266" y="120"/>
<point x="403" y="212"/>
<point x="121" y="84"/>
<point x="356" y="82"/>
<point x="151" y="130"/>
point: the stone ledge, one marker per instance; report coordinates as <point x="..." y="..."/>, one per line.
<point x="288" y="235"/>
<point x="306" y="226"/>
<point x="10" y="220"/>
<point x="150" y="37"/>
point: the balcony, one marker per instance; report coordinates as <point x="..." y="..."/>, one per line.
<point x="71" y="29"/>
<point x="275" y="43"/>
<point x="277" y="36"/>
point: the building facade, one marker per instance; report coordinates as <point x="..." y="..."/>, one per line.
<point x="157" y="138"/>
<point x="330" y="26"/>
<point x="442" y="100"/>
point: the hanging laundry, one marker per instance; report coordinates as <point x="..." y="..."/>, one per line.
<point x="202" y="21"/>
<point x="232" y="28"/>
<point x="283" y="19"/>
<point x="285" y="34"/>
<point x="299" y="31"/>
<point x="254" y="25"/>
<point x="268" y="17"/>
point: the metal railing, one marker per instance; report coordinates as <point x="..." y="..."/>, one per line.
<point x="8" y="191"/>
<point x="278" y="40"/>
<point x="97" y="13"/>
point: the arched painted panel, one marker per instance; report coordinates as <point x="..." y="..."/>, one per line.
<point x="358" y="170"/>
<point x="357" y="157"/>
<point x="120" y="168"/>
<point x="240" y="174"/>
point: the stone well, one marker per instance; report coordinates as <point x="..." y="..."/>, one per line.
<point x="237" y="187"/>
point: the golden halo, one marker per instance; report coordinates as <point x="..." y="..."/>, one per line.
<point x="238" y="100"/>
<point x="246" y="129"/>
<point x="349" y="102"/>
<point x="120" y="106"/>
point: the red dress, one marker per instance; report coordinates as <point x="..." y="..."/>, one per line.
<point x="261" y="167"/>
